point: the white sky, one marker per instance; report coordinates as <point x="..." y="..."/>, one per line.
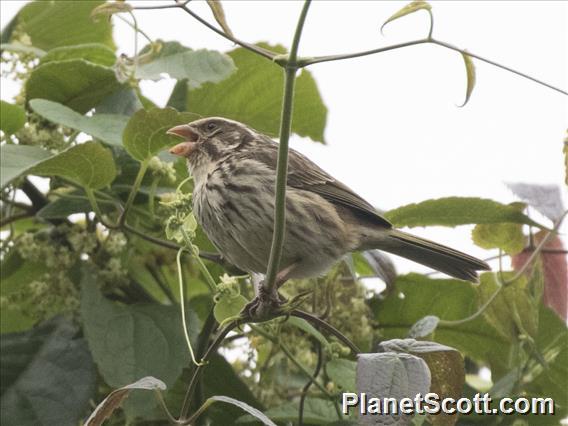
<point x="394" y="133"/>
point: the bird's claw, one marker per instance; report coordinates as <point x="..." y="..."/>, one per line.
<point x="265" y="306"/>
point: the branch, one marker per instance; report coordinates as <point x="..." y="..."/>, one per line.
<point x="268" y="54"/>
<point x="304" y="62"/>
<point x="473" y="55"/>
<point x="7" y="220"/>
<point x="282" y="163"/>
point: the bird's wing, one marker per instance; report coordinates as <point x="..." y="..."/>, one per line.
<point x="304" y="174"/>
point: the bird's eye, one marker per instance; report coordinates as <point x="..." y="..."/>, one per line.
<point x="211" y="126"/>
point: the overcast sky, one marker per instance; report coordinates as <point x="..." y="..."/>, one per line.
<point x="394" y="133"/>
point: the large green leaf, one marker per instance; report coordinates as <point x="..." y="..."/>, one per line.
<point x="145" y="134"/>
<point x="12" y="117"/>
<point x="79" y="84"/>
<point x="514" y="311"/>
<point x="550" y="381"/>
<point x="47" y="376"/>
<point x="62" y="23"/>
<point x="89" y="164"/>
<point x="134" y="341"/>
<point x="253" y="95"/>
<point x="106" y="127"/>
<point x="179" y="62"/>
<point x="416" y="296"/>
<point x="453" y="211"/>
<point x="93" y="52"/>
<point x="17" y="159"/>
<point x="123" y="102"/>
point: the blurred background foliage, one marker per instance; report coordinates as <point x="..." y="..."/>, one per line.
<point x="90" y="302"/>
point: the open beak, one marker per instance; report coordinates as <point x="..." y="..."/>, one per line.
<point x="189" y="145"/>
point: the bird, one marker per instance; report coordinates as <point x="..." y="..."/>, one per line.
<point x="234" y="172"/>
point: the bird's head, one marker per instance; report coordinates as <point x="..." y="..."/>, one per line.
<point x="209" y="140"/>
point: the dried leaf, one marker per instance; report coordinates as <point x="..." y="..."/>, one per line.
<point x="470" y="71"/>
<point x="408" y="9"/>
<point x="109" y="9"/>
<point x="219" y="14"/>
<point x="114" y="400"/>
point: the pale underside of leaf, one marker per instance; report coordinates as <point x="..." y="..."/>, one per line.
<point x="114" y="400"/>
<point x="106" y="127"/>
<point x="17" y="159"/>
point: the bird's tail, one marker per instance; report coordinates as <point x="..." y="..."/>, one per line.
<point x="428" y="253"/>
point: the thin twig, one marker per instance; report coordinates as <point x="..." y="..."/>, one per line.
<point x="197" y="372"/>
<point x="183" y="6"/>
<point x="303" y="62"/>
<point x="496" y="64"/>
<point x="7" y="220"/>
<point x="312" y="379"/>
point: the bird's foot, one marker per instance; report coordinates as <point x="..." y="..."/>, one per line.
<point x="265" y="306"/>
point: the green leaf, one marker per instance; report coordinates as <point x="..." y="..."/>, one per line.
<point x="114" y="400"/>
<point x="305" y="326"/>
<point x="145" y="134"/>
<point x="179" y="62"/>
<point x="133" y="341"/>
<point x="178" y="97"/>
<point x="342" y="372"/>
<point x="13" y="320"/>
<point x="122" y="102"/>
<point x="17" y="159"/>
<point x="316" y="412"/>
<point x="253" y="95"/>
<point x="453" y="211"/>
<point x="16" y="272"/>
<point x="515" y="309"/>
<point x="550" y="381"/>
<point x="12" y="118"/>
<point x="505" y="236"/>
<point x="92" y="52"/>
<point x="106" y="127"/>
<point x="219" y="14"/>
<point x="408" y="9"/>
<point x="65" y="206"/>
<point x="470" y="72"/>
<point x="229" y="306"/>
<point x="53" y="24"/>
<point x="89" y="164"/>
<point x="416" y="296"/>
<point x="47" y="376"/>
<point x="76" y="83"/>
